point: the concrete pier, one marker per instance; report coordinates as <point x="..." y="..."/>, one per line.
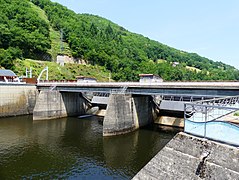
<point x="190" y="157"/>
<point x="126" y="113"/>
<point x="53" y="105"/>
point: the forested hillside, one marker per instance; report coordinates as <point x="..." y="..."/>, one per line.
<point x="25" y="34"/>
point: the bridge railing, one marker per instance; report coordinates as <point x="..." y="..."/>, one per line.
<point x="185" y="97"/>
<point x="213" y="119"/>
<point x="56" y="81"/>
<point x="122" y="90"/>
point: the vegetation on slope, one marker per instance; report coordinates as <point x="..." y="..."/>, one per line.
<point x="57" y="46"/>
<point x="97" y="40"/>
<point x="236" y="113"/>
<point x="57" y="72"/>
<point x="23" y="33"/>
<point x="127" y="54"/>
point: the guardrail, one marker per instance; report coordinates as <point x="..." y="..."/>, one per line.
<point x="123" y="90"/>
<point x="207" y="119"/>
<point x="13" y="83"/>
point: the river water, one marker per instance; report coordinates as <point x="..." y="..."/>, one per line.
<point x="72" y="148"/>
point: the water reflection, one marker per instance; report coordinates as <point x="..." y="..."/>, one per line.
<point x="73" y="148"/>
<point x="131" y="152"/>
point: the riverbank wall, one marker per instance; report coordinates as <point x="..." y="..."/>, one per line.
<point x="190" y="157"/>
<point x="17" y="99"/>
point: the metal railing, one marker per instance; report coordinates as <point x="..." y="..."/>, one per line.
<point x="207" y="118"/>
<point x="122" y="90"/>
<point x="185" y="97"/>
<point x="101" y="94"/>
<point x="211" y="109"/>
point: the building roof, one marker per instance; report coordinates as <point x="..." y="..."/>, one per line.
<point x="149" y="75"/>
<point x="85" y="78"/>
<point x="146" y="75"/>
<point x="8" y="73"/>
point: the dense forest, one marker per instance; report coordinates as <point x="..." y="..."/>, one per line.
<point x="25" y="34"/>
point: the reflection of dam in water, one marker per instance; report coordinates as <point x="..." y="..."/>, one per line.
<point x="132" y="147"/>
<point x="72" y="148"/>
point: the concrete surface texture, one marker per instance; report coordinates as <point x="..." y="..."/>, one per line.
<point x="53" y="105"/>
<point x="125" y="113"/>
<point x="17" y="100"/>
<point x="170" y="121"/>
<point x="190" y="157"/>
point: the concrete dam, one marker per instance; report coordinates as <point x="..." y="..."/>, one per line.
<point x="134" y="107"/>
<point x="124" y="112"/>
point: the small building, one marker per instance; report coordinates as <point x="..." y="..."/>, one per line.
<point x="150" y="78"/>
<point x="64" y="59"/>
<point x="174" y="64"/>
<point x="83" y="79"/>
<point x="8" y="76"/>
<point x="60" y="60"/>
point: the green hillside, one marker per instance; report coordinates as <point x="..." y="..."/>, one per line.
<point x="32" y="30"/>
<point x="55" y="36"/>
<point x="68" y="72"/>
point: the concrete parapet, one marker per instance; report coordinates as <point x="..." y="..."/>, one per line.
<point x="125" y="113"/>
<point x="53" y="105"/>
<point x="190" y="157"/>
<point x="17" y="99"/>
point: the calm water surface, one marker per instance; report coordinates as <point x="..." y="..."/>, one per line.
<point x="73" y="148"/>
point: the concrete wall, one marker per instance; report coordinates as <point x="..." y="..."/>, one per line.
<point x="125" y="113"/>
<point x="53" y="105"/>
<point x="17" y="99"/>
<point x="170" y="121"/>
<point x="190" y="157"/>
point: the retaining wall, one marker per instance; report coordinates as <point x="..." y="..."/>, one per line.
<point x="17" y="99"/>
<point x="190" y="157"/>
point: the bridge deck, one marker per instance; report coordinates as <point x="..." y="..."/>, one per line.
<point x="231" y="85"/>
<point x="211" y="89"/>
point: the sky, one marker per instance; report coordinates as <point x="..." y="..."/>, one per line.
<point x="209" y="28"/>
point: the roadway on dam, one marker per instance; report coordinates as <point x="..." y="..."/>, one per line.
<point x="210" y="89"/>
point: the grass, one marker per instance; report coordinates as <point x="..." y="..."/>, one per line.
<point x="57" y="72"/>
<point x="193" y="69"/>
<point x="161" y="61"/>
<point x="55" y="36"/>
<point x="236" y="113"/>
<point x="56" y="45"/>
<point x="40" y="12"/>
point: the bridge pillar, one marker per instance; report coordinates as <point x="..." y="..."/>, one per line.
<point x="126" y="113"/>
<point x="53" y="105"/>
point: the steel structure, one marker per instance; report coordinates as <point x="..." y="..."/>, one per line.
<point x="207" y="118"/>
